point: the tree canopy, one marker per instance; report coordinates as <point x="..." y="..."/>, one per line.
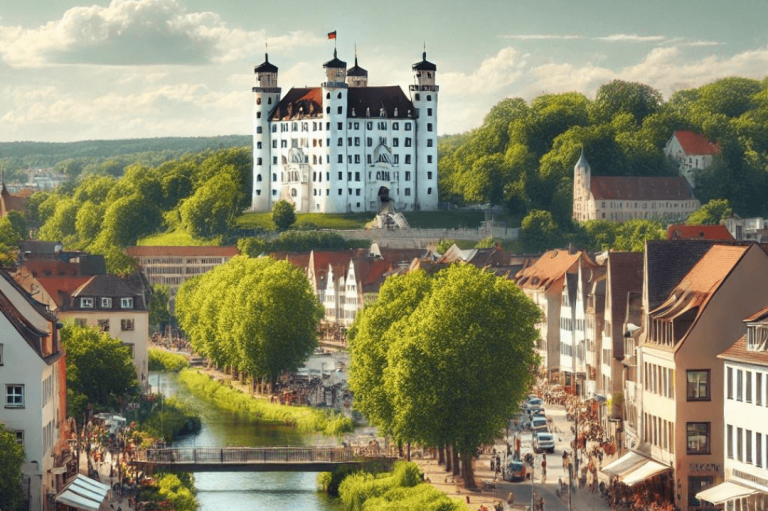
<point x="283" y="214"/>
<point x="444" y="360"/>
<point x="11" y="461"/>
<point x="257" y="315"/>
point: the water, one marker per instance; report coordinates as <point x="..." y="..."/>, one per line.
<point x="234" y="491"/>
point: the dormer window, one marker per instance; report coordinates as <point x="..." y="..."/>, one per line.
<point x="126" y="303"/>
<point x="757" y="338"/>
<point x="86" y="303"/>
<point x="106" y="303"/>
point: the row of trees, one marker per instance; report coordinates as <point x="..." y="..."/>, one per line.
<point x="444" y="360"/>
<point x="523" y="154"/>
<point x="256" y="315"/>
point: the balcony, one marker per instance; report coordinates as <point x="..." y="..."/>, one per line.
<point x="417" y="88"/>
<point x="337" y="85"/>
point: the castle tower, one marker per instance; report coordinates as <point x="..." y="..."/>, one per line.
<point x="335" y="116"/>
<point x="424" y="97"/>
<point x="581" y="188"/>
<point x="357" y="76"/>
<point x="266" y="98"/>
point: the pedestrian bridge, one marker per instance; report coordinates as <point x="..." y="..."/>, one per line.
<point x="253" y="459"/>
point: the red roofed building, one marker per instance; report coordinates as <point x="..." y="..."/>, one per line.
<point x="698" y="232"/>
<point x="622" y="198"/>
<point x="692" y="151"/>
<point x="10" y="202"/>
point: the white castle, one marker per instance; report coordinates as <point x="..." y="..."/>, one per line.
<point x="345" y="147"/>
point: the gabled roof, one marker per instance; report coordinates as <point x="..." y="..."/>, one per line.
<point x="229" y="251"/>
<point x="10" y="202"/>
<point x="39" y="307"/>
<point x="370" y="273"/>
<point x="698" y="232"/>
<point x="297" y="259"/>
<point x="668" y="262"/>
<point x="424" y="65"/>
<point x="640" y="188"/>
<point x="31" y="334"/>
<point x="695" y="143"/>
<point x="299" y="103"/>
<point x="113" y="286"/>
<point x="697" y="288"/>
<point x="61" y="288"/>
<point x="548" y="271"/>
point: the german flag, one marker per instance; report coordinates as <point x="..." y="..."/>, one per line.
<point x="332" y="35"/>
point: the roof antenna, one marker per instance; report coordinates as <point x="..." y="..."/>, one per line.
<point x="424" y="55"/>
<point x="266" y="51"/>
<point x="355" y="52"/>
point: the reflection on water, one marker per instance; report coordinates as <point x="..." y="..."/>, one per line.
<point x="234" y="491"/>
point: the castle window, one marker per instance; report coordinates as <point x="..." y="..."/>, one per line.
<point x="294" y="126"/>
<point x="274" y="160"/>
<point x="395" y="142"/>
<point x="418" y="96"/>
<point x="258" y="178"/>
<point x="407" y="175"/>
<point x="340" y="109"/>
<point x="407" y="126"/>
<point x="274" y="176"/>
<point x="274" y="192"/>
<point x="429" y="191"/>
<point x="328" y="96"/>
<point x="327" y="125"/>
<point x="269" y="101"/>
<point x="258" y="161"/>
<point x="357" y="192"/>
<point x="258" y="192"/>
<point x="340" y="192"/>
<point x="369" y="142"/>
<point x="358" y="205"/>
<point x="429" y="175"/>
<point x="429" y="158"/>
<point x="304" y="126"/>
<point x="369" y="125"/>
<point x="341" y="175"/>
<point x="369" y="159"/>
<point x="407" y="159"/>
<point x="603" y="203"/>
<point x="349" y="141"/>
<point x="357" y="178"/>
<point x="407" y="191"/>
<point x="258" y="100"/>
<point x="338" y="95"/>
<point x="340" y="142"/>
<point x="407" y="142"/>
<point x="395" y="125"/>
<point x="258" y="129"/>
<point x="357" y="158"/>
<point x="349" y="126"/>
<point x="327" y="192"/>
<point x="274" y="144"/>
<point x="293" y="192"/>
<point x="397" y="159"/>
<point x="258" y="115"/>
<point x="328" y="110"/>
<point x="274" y="128"/>
<point x="430" y="142"/>
<point x="429" y="97"/>
<point x="429" y="111"/>
<point x="349" y="177"/>
<point x="258" y="145"/>
<point x="357" y="125"/>
<point x="327" y="158"/>
<point x="349" y="158"/>
<point x="429" y="126"/>
<point x="340" y="125"/>
<point x="341" y="159"/>
<point x="357" y="141"/>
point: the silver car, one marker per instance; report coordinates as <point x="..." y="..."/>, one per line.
<point x="544" y="442"/>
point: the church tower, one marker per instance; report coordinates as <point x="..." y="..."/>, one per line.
<point x="581" y="188"/>
<point x="266" y="98"/>
<point x="357" y="76"/>
<point x="424" y="97"/>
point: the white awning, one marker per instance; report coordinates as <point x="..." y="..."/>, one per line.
<point x="643" y="472"/>
<point x="624" y="465"/>
<point x="83" y="493"/>
<point x="724" y="491"/>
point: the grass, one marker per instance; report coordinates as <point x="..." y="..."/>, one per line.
<point x="178" y="490"/>
<point x="304" y="418"/>
<point x="418" y="219"/>
<point x="171" y="420"/>
<point x="394" y="491"/>
<point x="175" y="239"/>
<point x="161" y="360"/>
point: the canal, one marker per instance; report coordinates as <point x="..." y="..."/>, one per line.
<point x="270" y="491"/>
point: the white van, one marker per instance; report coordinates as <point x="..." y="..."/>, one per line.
<point x="539" y="423"/>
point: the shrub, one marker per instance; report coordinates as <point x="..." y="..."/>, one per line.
<point x="160" y="360"/>
<point x="283" y="214"/>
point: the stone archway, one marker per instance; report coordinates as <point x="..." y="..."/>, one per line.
<point x="384" y="194"/>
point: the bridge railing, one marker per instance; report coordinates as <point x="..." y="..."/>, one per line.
<point x="200" y="455"/>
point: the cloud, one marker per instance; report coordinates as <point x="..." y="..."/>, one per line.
<point x="702" y="43"/>
<point x="631" y="38"/>
<point x="138" y="32"/>
<point x="539" y="37"/>
<point x="494" y="74"/>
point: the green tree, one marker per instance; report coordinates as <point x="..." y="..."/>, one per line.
<point x="88" y="221"/>
<point x="713" y="212"/>
<point x="632" y="234"/>
<point x="539" y="231"/>
<point x="99" y="368"/>
<point x="489" y="242"/>
<point x="283" y="214"/>
<point x="18" y="223"/>
<point x="212" y="209"/>
<point x="11" y="460"/>
<point x="619" y="96"/>
<point x="159" y="314"/>
<point x="731" y="96"/>
<point x="443" y="245"/>
<point x="598" y="235"/>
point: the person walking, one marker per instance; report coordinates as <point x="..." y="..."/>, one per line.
<point x="565" y="459"/>
<point x="544" y="469"/>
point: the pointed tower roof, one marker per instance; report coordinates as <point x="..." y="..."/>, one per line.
<point x="265" y="67"/>
<point x="583" y="163"/>
<point x="356" y="70"/>
<point x="335" y="63"/>
<point x="424" y="65"/>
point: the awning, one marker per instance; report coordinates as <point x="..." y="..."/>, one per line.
<point x="624" y="465"/>
<point x="83" y="493"/>
<point x="643" y="472"/>
<point x="724" y="491"/>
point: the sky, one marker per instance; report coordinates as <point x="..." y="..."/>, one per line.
<point x="82" y="70"/>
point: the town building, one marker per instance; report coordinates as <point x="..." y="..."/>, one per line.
<point x="698" y="232"/>
<point x="33" y="382"/>
<point x="747" y="229"/>
<point x="622" y="198"/>
<point x="692" y="151"/>
<point x="77" y="288"/>
<point x="345" y="146"/>
<point x="543" y="282"/>
<point x="680" y="418"/>
<point x="593" y="333"/>
<point x="9" y="202"/>
<point x="172" y="266"/>
<point x="746" y="420"/>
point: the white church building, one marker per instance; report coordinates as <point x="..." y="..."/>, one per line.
<point x="344" y="146"/>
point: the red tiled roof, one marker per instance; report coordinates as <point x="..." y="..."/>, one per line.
<point x="47" y="268"/>
<point x="738" y="353"/>
<point x="698" y="232"/>
<point x="301" y="103"/>
<point x="298" y="259"/>
<point x="640" y="188"/>
<point x="694" y="143"/>
<point x="548" y="270"/>
<point x="182" y="251"/>
<point x="61" y="288"/>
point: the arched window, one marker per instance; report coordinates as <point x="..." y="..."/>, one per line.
<point x="339" y="95"/>
<point x="293" y="192"/>
<point x="328" y="96"/>
<point x="258" y="115"/>
<point x="258" y="178"/>
<point x="327" y="109"/>
<point x="269" y="101"/>
<point x="258" y="100"/>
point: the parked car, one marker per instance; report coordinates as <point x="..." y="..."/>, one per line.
<point x="539" y="423"/>
<point x="515" y="471"/>
<point x="543" y="442"/>
<point x="533" y="404"/>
